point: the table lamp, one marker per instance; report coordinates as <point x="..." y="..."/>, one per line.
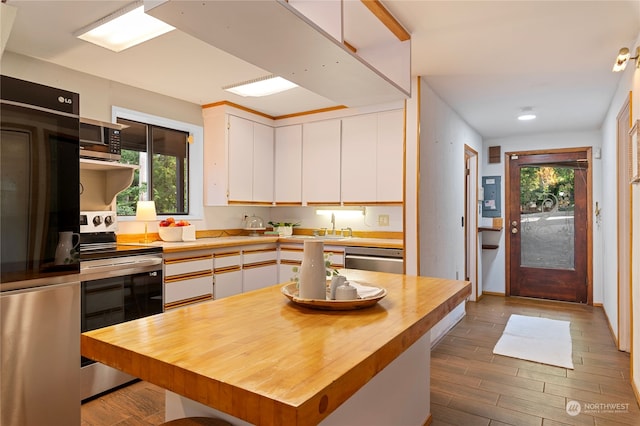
<point x="146" y="212"/>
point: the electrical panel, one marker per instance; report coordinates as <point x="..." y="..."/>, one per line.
<point x="492" y="203"/>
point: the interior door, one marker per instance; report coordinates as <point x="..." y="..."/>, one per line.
<point x="547" y="225"/>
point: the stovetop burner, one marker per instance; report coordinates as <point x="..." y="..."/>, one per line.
<point x="104" y="245"/>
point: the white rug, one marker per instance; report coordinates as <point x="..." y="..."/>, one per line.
<point x="536" y="339"/>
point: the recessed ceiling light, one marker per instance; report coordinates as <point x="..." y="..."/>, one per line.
<point x="526" y="114"/>
<point x="124" y="28"/>
<point x="262" y="86"/>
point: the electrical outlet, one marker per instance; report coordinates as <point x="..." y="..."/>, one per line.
<point x="383" y="220"/>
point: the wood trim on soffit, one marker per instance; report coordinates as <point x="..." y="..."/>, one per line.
<point x="271" y="117"/>
<point x="387" y="19"/>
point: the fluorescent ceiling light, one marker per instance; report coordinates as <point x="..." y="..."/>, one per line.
<point x="342" y="212"/>
<point x="526" y="114"/>
<point x="263" y="86"/>
<point x="124" y="28"/>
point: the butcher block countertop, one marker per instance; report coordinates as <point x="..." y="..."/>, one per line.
<point x="262" y="358"/>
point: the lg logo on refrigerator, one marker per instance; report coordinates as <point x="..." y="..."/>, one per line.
<point x="64" y="100"/>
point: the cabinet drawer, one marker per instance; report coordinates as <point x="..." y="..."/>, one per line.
<point x="258" y="256"/>
<point x="187" y="265"/>
<point x="226" y="259"/>
<point x="336" y="257"/>
<point x="294" y="254"/>
<point x="180" y="292"/>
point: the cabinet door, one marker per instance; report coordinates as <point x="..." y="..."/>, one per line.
<point x="240" y="159"/>
<point x="390" y="156"/>
<point x="288" y="165"/>
<point x="262" y="163"/>
<point x="227" y="283"/>
<point x="255" y="277"/>
<point x="321" y="162"/>
<point x="359" y="158"/>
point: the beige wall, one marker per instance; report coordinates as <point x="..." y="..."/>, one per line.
<point x="98" y="95"/>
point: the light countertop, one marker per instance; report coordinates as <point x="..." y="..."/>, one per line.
<point x="218" y="242"/>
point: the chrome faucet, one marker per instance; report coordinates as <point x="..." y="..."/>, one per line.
<point x="343" y="230"/>
<point x="333" y="224"/>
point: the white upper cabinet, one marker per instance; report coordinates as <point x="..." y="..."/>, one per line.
<point x="390" y="164"/>
<point x="263" y="146"/>
<point x="372" y="153"/>
<point x="359" y="157"/>
<point x="238" y="159"/>
<point x="250" y="161"/>
<point x="288" y="165"/>
<point x="321" y="162"/>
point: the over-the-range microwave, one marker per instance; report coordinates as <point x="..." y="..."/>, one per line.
<point x="100" y="140"/>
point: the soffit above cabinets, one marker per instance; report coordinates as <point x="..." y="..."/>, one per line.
<point x="277" y="37"/>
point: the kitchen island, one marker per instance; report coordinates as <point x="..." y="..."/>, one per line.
<point x="259" y="358"/>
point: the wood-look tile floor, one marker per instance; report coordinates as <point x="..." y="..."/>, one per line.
<point x="470" y="385"/>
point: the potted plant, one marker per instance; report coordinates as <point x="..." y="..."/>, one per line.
<point x="284" y="229"/>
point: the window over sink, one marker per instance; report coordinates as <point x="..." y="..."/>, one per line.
<point x="167" y="152"/>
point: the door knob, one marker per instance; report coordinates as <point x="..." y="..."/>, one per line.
<point x="514" y="230"/>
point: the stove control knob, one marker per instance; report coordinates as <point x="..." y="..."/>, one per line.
<point x="97" y="220"/>
<point x="108" y="220"/>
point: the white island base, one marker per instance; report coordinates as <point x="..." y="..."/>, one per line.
<point x="397" y="395"/>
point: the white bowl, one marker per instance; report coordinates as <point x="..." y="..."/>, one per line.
<point x="170" y="233"/>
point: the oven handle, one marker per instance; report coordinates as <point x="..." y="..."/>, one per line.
<point x="115" y="268"/>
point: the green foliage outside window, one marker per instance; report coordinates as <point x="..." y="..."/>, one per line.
<point x="537" y="183"/>
<point x="162" y="176"/>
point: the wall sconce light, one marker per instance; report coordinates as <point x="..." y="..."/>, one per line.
<point x="263" y="86"/>
<point x="623" y="57"/>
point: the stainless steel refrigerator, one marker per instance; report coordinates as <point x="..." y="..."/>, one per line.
<point x="40" y="269"/>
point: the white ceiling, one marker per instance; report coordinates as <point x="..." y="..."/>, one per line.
<point x="487" y="59"/>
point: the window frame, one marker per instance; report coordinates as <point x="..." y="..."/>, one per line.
<point x="195" y="155"/>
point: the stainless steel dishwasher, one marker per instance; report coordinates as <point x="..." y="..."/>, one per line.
<point x="375" y="259"/>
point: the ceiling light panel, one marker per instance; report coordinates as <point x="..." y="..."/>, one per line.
<point x="124" y="28"/>
<point x="263" y="86"/>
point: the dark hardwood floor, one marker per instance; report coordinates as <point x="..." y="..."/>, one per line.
<point x="470" y="385"/>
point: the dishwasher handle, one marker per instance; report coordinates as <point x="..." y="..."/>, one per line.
<point x="374" y="258"/>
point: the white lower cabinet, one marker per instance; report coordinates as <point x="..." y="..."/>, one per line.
<point x="259" y="267"/>
<point x="227" y="273"/>
<point x="214" y="274"/>
<point x="188" y="278"/>
<point x="290" y="256"/>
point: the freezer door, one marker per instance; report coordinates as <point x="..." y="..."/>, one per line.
<point x="40" y="353"/>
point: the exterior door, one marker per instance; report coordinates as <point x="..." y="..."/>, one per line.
<point x="548" y="226"/>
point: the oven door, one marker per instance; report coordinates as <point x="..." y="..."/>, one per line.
<point x="114" y="291"/>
